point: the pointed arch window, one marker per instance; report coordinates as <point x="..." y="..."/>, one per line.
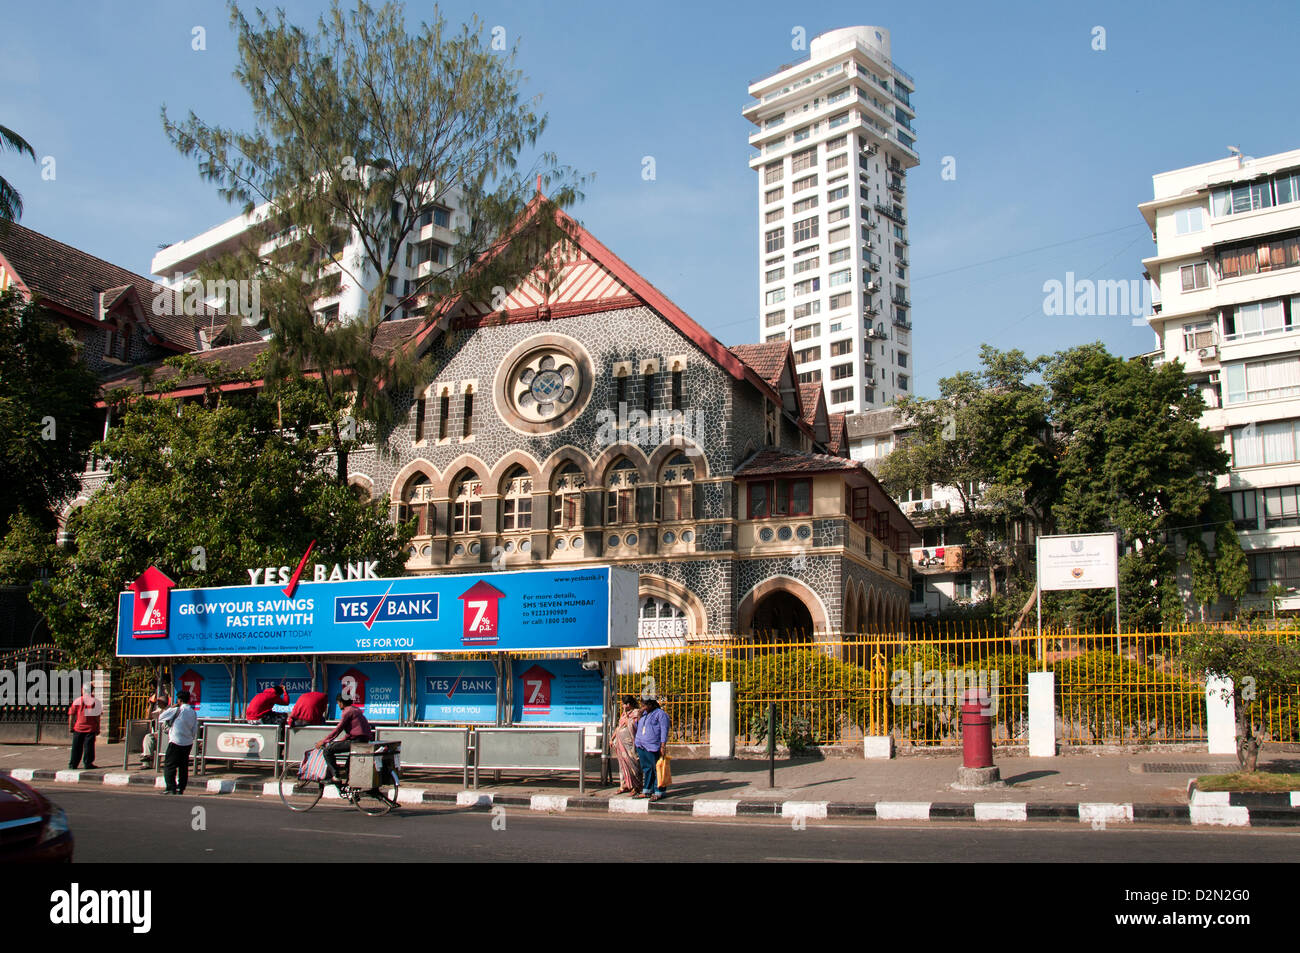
<point x="675" y="498"/>
<point x="467" y="506"/>
<point x="566" y="498"/>
<point x="620" y="493"/>
<point x="417" y="499"/>
<point x="517" y="501"/>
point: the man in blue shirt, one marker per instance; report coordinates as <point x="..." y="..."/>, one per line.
<point x="183" y="725"/>
<point x="651" y="739"/>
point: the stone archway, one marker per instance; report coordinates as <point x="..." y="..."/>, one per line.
<point x="795" y="614"/>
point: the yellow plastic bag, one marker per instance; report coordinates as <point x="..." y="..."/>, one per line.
<point x="663" y="770"/>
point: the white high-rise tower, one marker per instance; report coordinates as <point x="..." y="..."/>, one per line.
<point x="835" y="139"/>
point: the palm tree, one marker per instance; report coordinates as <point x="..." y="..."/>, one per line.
<point x="11" y="203"/>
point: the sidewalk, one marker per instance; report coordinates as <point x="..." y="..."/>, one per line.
<point x="1145" y="786"/>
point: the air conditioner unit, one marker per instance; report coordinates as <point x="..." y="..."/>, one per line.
<point x="1208" y="353"/>
<point x="873" y="285"/>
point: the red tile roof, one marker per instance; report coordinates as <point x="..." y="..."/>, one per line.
<point x="768" y="359"/>
<point x="238" y="358"/>
<point x="810" y="395"/>
<point x="839" y="442"/>
<point x="71" y="281"/>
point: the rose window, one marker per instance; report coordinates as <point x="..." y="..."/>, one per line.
<point x="544" y="386"/>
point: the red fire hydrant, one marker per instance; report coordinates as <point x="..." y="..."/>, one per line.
<point x="976" y="729"/>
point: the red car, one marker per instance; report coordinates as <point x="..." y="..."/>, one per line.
<point x="32" y="828"/>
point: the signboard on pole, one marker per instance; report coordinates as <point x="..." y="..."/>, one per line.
<point x="1089" y="561"/>
<point x="565" y="610"/>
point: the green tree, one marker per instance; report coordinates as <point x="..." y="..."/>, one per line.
<point x="1230" y="565"/>
<point x="360" y="129"/>
<point x="1205" y="581"/>
<point x="11" y="203"/>
<point x="47" y="416"/>
<point x="203" y="493"/>
<point x="1261" y="666"/>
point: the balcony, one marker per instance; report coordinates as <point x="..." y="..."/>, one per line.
<point x="875" y="334"/>
<point x="871" y="311"/>
<point x="901" y="301"/>
<point x="902" y="323"/>
<point x="936" y="559"/>
<point x="896" y="185"/>
<point x="891" y="212"/>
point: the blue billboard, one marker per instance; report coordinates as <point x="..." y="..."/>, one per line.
<point x="211" y="690"/>
<point x="557" y="691"/>
<point x="458" y="692"/>
<point x="507" y="611"/>
<point x="375" y="687"/>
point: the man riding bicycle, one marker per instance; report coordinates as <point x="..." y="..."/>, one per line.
<point x="352" y="725"/>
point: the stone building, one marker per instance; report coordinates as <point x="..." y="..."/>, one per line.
<point x="584" y="418"/>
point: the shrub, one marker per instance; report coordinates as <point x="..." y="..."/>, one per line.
<point x="1117" y="698"/>
<point x="816" y="694"/>
<point x="919" y="722"/>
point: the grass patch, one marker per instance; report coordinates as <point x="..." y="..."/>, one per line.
<point x="1255" y="782"/>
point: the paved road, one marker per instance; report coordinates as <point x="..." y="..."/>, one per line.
<point x="109" y="826"/>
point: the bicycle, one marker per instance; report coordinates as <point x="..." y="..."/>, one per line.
<point x="373" y="765"/>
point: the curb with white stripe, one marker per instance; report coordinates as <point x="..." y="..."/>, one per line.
<point x="1209" y="808"/>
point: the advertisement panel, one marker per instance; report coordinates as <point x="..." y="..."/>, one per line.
<point x="456" y="692"/>
<point x="555" y="691"/>
<point x="209" y="686"/>
<point x="506" y="611"/>
<point x="1089" y="561"/>
<point x="375" y="687"/>
<point x="295" y="677"/>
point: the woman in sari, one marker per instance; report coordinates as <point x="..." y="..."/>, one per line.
<point x="629" y="767"/>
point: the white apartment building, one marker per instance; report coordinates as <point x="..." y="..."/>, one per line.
<point x="429" y="248"/>
<point x="1227" y="269"/>
<point x="834" y="138"/>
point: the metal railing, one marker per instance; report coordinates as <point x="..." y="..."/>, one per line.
<point x="836" y="688"/>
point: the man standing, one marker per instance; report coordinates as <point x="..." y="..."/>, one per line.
<point x="184" y="725"/>
<point x="308" y="710"/>
<point x="83" y="722"/>
<point x="262" y="706"/>
<point x="651" y="738"/>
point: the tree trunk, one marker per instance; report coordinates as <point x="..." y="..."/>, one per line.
<point x="1247" y="740"/>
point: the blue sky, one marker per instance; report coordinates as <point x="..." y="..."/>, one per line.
<point x="1054" y="143"/>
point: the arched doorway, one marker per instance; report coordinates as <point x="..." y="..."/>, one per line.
<point x="781" y="616"/>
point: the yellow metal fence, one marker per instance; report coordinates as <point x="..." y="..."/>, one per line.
<point x="1130" y="689"/>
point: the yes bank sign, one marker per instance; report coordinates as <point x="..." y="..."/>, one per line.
<point x="594" y="607"/>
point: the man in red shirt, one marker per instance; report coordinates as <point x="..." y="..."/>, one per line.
<point x="353" y="726"/>
<point x="83" y="722"/>
<point x="309" y="710"/>
<point x="262" y="706"/>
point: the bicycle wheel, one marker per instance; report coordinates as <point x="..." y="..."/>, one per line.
<point x="300" y="795"/>
<point x="375" y="802"/>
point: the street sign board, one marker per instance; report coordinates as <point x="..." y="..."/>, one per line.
<point x="1088" y="561"/>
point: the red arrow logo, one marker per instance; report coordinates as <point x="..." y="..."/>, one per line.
<point x="374" y="615"/>
<point x="290" y="589"/>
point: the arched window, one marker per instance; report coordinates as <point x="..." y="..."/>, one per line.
<point x="566" y="498"/>
<point x="417" y="502"/>
<point x="467" y="505"/>
<point x="517" y="501"/>
<point x="676" y="497"/>
<point x="660" y="619"/>
<point x="620" y="493"/>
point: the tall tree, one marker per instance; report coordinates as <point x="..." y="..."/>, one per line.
<point x="47" y="416"/>
<point x="11" y="202"/>
<point x="362" y="130"/>
<point x="203" y="492"/>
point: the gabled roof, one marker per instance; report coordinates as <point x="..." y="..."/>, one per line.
<point x="81" y="286"/>
<point x="768" y="360"/>
<point x="839" y="439"/>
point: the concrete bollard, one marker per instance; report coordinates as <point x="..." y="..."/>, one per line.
<point x="722" y="720"/>
<point x="1042" y="714"/>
